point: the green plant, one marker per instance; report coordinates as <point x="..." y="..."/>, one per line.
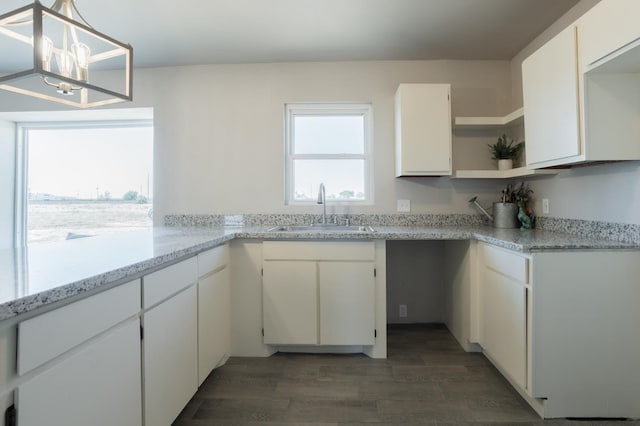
<point x="503" y="150"/>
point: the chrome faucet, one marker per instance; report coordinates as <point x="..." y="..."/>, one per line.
<point x="322" y="200"/>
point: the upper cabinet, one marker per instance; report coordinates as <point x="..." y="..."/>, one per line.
<point x="551" y="102"/>
<point x="423" y="130"/>
<point x="610" y="27"/>
<point x="580" y="90"/>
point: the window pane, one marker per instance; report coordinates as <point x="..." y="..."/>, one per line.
<point x="343" y="179"/>
<point x="88" y="181"/>
<point x="329" y="134"/>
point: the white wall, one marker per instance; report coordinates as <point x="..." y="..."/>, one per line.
<point x="415" y="276"/>
<point x="608" y="192"/>
<point x="219" y="144"/>
<point x="7" y="179"/>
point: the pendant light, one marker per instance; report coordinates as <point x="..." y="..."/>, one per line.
<point x="50" y="55"/>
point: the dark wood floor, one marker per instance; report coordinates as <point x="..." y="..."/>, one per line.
<point x="426" y="379"/>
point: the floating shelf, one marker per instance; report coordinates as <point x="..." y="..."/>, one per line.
<point x="512" y="119"/>
<point x="501" y="174"/>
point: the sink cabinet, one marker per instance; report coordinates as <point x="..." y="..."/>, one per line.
<point x="319" y="293"/>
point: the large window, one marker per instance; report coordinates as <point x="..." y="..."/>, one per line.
<point x="79" y="179"/>
<point x="330" y="144"/>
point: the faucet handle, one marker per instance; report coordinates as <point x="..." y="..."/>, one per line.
<point x="347" y="221"/>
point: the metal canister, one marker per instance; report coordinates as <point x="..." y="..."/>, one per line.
<point x="505" y="215"/>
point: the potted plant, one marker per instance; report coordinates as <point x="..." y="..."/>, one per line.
<point x="505" y="152"/>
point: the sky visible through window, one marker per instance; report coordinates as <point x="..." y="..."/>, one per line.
<point x="91" y="163"/>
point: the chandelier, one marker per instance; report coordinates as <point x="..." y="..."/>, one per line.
<point x="57" y="56"/>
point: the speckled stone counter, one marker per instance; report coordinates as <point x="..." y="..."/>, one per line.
<point x="43" y="274"/>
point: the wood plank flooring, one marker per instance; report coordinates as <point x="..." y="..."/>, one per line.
<point x="426" y="379"/>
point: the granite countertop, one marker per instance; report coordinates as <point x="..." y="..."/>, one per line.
<point x="33" y="277"/>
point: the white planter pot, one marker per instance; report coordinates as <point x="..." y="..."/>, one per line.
<point x="505" y="164"/>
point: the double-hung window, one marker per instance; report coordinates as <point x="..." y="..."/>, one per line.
<point x="329" y="144"/>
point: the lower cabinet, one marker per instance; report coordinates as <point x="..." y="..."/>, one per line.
<point x="99" y="385"/>
<point x="318" y="293"/>
<point x="80" y="363"/>
<point x="214" y="310"/>
<point x="562" y="327"/>
<point x="503" y="285"/>
<point x="170" y="343"/>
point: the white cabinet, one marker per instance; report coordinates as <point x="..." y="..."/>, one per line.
<point x="81" y="362"/>
<point x="548" y="321"/>
<point x="607" y="27"/>
<point x="170" y="344"/>
<point x="290" y="302"/>
<point x="214" y="310"/>
<point x="552" y="103"/>
<point x="423" y="130"/>
<point x="319" y="293"/>
<point x="503" y="286"/>
<point x="575" y="114"/>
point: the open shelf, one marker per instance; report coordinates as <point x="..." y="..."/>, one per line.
<point x="501" y="174"/>
<point x="512" y="119"/>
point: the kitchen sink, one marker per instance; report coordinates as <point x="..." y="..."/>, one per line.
<point x="321" y="228"/>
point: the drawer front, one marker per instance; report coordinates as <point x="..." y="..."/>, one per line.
<point x="168" y="281"/>
<point x="505" y="262"/>
<point x="318" y="250"/>
<point x="213" y="259"/>
<point x="44" y="337"/>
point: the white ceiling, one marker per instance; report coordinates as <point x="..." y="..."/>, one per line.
<point x="182" y="32"/>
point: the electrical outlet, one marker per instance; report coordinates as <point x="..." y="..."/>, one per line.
<point x="404" y="206"/>
<point x="403" y="311"/>
<point x="545" y="206"/>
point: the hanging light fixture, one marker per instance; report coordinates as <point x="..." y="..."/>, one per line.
<point x="56" y="57"/>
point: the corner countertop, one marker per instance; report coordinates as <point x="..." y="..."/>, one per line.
<point x="33" y="277"/>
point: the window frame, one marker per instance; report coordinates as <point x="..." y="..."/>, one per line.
<point x="363" y="109"/>
<point x="22" y="161"/>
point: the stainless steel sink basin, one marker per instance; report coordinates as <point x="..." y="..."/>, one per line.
<point x="320" y="228"/>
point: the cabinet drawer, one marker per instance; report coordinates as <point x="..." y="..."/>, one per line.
<point x="44" y="337"/>
<point x="505" y="262"/>
<point x="318" y="250"/>
<point x="213" y="259"/>
<point x="170" y="280"/>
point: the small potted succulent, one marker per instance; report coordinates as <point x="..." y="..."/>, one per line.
<point x="505" y="152"/>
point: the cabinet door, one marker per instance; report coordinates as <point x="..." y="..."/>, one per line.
<point x="423" y="130"/>
<point x="347" y="303"/>
<point x="98" y="385"/>
<point x="551" y="102"/>
<point x="503" y="323"/>
<point x="607" y="27"/>
<point x="290" y="302"/>
<point x="170" y="357"/>
<point x="214" y="321"/>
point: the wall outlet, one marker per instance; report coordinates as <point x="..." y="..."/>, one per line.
<point x="545" y="206"/>
<point x="404" y="206"/>
<point x="403" y="311"/>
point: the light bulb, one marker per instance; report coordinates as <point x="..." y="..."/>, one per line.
<point x="65" y="62"/>
<point x="81" y="55"/>
<point x="47" y="50"/>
